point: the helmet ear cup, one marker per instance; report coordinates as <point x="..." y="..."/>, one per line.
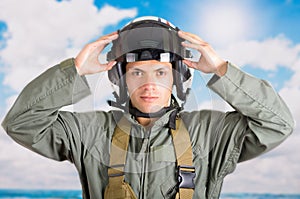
<point x="182" y="73"/>
<point x="113" y="74"/>
<point x="117" y="76"/>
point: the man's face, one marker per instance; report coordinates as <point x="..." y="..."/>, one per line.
<point x="149" y="84"/>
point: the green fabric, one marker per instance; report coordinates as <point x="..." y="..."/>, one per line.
<point x="219" y="140"/>
<point x="163" y="153"/>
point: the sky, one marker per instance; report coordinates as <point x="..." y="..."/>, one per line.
<point x="259" y="36"/>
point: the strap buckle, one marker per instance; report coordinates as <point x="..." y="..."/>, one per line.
<point x="186" y="175"/>
<point x="113" y="170"/>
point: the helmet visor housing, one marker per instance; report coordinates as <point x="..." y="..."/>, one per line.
<point x="144" y="43"/>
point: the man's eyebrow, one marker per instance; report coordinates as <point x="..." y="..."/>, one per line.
<point x="136" y="69"/>
<point x="162" y="68"/>
<point x="156" y="67"/>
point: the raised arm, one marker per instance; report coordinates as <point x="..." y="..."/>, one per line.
<point x="261" y="119"/>
<point x="35" y="121"/>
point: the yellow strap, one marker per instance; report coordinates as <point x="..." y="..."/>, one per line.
<point x="117" y="188"/>
<point x="118" y="151"/>
<point x="182" y="144"/>
<point x="184" y="155"/>
<point x="120" y="141"/>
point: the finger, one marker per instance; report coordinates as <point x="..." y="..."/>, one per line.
<point x="111" y="63"/>
<point x="191" y="45"/>
<point x="111" y="36"/>
<point x="108" y="65"/>
<point x="199" y="47"/>
<point x="113" y="33"/>
<point x="191" y="35"/>
<point x="203" y="47"/>
<point x="105" y="40"/>
<point x="108" y="35"/>
<point x="100" y="44"/>
<point x="190" y="64"/>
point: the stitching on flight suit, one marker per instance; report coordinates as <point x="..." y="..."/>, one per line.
<point x="259" y="102"/>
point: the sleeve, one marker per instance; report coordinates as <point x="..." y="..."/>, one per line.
<point x="261" y="115"/>
<point x="35" y="121"/>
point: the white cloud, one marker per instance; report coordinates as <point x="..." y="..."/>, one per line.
<point x="43" y="33"/>
<point x="275" y="172"/>
<point x="291" y="95"/>
<point x="101" y="91"/>
<point x="231" y="27"/>
<point x="19" y="168"/>
<point x="278" y="170"/>
<point x="222" y="22"/>
<point x="268" y="54"/>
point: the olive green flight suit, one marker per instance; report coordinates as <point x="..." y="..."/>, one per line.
<point x="219" y="140"/>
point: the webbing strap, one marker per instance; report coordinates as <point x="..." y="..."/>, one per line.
<point x="117" y="187"/>
<point x="120" y="141"/>
<point x="183" y="151"/>
<point x="184" y="155"/>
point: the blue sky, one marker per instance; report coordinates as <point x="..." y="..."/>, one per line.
<point x="260" y="36"/>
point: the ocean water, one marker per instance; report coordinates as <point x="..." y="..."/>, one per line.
<point x="40" y="194"/>
<point x="76" y="194"/>
<point x="259" y="196"/>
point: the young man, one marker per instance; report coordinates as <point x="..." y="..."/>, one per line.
<point x="151" y="149"/>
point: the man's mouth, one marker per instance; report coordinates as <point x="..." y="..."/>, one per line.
<point x="149" y="98"/>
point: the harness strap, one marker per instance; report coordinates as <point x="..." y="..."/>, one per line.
<point x="183" y="151"/>
<point x="120" y="141"/>
<point x="117" y="188"/>
<point x="184" y="155"/>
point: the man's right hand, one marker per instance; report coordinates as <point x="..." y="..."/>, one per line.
<point x="87" y="60"/>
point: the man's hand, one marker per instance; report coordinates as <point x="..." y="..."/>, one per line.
<point x="209" y="61"/>
<point x="87" y="60"/>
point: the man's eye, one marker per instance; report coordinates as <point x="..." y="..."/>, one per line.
<point x="137" y="73"/>
<point x="161" y="73"/>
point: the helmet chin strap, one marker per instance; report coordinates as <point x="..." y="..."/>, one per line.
<point x="137" y="113"/>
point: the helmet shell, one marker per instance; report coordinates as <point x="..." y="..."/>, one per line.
<point x="148" y="38"/>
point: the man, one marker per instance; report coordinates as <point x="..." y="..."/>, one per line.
<point x="151" y="149"/>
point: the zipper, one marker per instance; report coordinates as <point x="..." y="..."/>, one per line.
<point x="143" y="156"/>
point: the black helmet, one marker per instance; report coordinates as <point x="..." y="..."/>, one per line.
<point x="148" y="38"/>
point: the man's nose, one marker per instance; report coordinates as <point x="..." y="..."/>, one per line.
<point x="149" y="82"/>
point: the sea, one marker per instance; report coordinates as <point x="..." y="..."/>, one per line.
<point x="76" y="194"/>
